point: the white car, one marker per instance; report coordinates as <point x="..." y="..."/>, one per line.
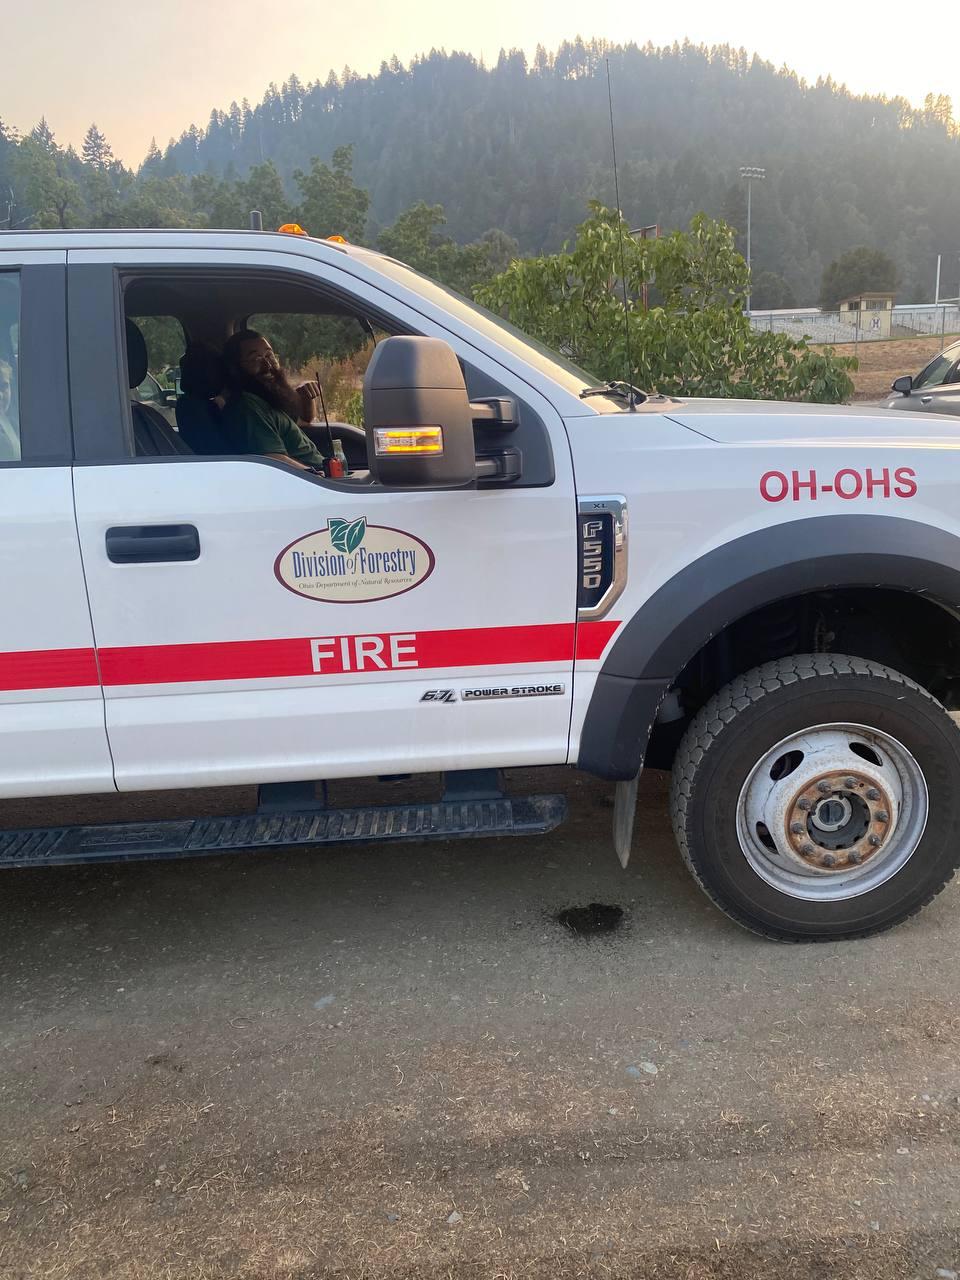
<point x="534" y="568"/>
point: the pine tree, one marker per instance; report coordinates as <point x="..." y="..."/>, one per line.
<point x="97" y="151"/>
<point x="153" y="158"/>
<point x="42" y="134"/>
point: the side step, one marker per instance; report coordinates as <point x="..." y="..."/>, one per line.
<point x="177" y="838"/>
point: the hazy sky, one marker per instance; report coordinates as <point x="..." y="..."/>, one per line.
<point x="143" y="69"/>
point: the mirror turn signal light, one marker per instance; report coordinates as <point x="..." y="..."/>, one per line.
<point x="390" y="441"/>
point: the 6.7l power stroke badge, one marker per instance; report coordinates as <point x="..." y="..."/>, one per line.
<point x="352" y="562"/>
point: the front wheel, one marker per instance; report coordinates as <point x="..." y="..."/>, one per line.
<point x="818" y="797"/>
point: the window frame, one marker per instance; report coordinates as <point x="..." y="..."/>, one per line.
<point x="42" y="376"/>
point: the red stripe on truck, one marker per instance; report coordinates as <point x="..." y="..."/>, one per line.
<point x="48" y="669"/>
<point x="305" y="655"/>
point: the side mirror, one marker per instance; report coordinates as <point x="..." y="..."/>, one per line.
<point x="903" y="384"/>
<point x="417" y="416"/>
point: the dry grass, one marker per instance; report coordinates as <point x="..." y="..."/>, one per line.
<point x="881" y="362"/>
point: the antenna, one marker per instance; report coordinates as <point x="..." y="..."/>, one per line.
<point x="631" y="402"/>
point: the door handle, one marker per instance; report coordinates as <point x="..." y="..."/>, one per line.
<point x="152" y="543"/>
<point x="925" y="399"/>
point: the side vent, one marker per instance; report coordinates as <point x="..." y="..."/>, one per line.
<point x="602" y="526"/>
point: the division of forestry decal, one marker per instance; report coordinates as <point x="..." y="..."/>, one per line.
<point x="352" y="562"/>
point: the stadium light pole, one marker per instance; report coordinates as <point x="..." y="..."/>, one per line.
<point x="750" y="174"/>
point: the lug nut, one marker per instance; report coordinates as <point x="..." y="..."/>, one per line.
<point x="807" y="849"/>
<point x="829" y="860"/>
<point x="853" y="856"/>
<point x="824" y="788"/>
<point x="850" y="782"/>
<point x="882" y="816"/>
<point x="796" y="828"/>
<point x="804" y="804"/>
<point x="873" y="794"/>
<point x="875" y="841"/>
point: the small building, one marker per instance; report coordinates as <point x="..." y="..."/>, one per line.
<point x="870" y="312"/>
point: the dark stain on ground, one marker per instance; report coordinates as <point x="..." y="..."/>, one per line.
<point x="586" y="922"/>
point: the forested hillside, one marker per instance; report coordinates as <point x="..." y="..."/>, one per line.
<point x="522" y="147"/>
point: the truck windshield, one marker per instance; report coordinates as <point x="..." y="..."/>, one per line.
<point x="549" y="362"/>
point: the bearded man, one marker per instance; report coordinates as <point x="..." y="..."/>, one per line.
<point x="263" y="410"/>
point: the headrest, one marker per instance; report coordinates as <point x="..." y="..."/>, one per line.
<point x="136" y="355"/>
<point x="201" y="372"/>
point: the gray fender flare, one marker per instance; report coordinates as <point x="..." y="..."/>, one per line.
<point x="819" y="553"/>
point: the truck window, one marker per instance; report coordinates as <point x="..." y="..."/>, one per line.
<point x="9" y="368"/>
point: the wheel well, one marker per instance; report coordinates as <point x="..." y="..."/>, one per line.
<point x="900" y="629"/>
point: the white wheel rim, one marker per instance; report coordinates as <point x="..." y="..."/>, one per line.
<point x="832" y="812"/>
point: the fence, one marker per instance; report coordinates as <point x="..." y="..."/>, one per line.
<point x="827" y="326"/>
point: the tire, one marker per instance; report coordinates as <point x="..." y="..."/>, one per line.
<point x="781" y="755"/>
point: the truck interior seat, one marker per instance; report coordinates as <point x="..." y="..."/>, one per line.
<point x="153" y="436"/>
<point x="198" y="414"/>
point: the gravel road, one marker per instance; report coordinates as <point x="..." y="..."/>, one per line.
<point x="394" y="1062"/>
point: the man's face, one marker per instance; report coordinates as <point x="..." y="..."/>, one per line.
<point x="258" y="359"/>
<point x="261" y="372"/>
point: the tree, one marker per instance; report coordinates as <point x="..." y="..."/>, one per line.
<point x="415" y="238"/>
<point x="771" y="292"/>
<point x="42" y="135"/>
<point x="698" y="342"/>
<point x="43" y="183"/>
<point x="152" y="160"/>
<point x="500" y="249"/>
<point x="482" y="143"/>
<point x="160" y="202"/>
<point x="332" y="202"/>
<point x="858" y="270"/>
<point x="96" y="150"/>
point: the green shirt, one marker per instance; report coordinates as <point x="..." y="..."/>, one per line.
<point x="256" y="427"/>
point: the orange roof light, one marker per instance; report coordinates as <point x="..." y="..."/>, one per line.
<point x="292" y="229"/>
<point x="338" y="239"/>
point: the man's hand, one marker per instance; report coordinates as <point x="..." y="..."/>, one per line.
<point x="309" y="393"/>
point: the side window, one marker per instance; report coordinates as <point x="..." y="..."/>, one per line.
<point x="939" y="371"/>
<point x="9" y="368"/>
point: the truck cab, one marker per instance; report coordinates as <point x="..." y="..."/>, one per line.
<point x="523" y="567"/>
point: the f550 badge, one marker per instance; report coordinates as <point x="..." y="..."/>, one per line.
<point x="847" y="483"/>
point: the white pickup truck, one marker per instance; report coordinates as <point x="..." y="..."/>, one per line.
<point x="523" y="568"/>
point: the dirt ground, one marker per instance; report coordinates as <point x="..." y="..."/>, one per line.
<point x="881" y="362"/>
<point x="393" y="1062"/>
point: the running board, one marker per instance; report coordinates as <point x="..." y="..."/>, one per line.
<point x="178" y="838"/>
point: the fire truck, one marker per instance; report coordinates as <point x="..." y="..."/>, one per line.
<point x="522" y="565"/>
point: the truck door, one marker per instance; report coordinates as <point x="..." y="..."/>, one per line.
<point x="52" y="737"/>
<point x="256" y="623"/>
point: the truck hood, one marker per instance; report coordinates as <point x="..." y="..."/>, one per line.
<point x="761" y="421"/>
